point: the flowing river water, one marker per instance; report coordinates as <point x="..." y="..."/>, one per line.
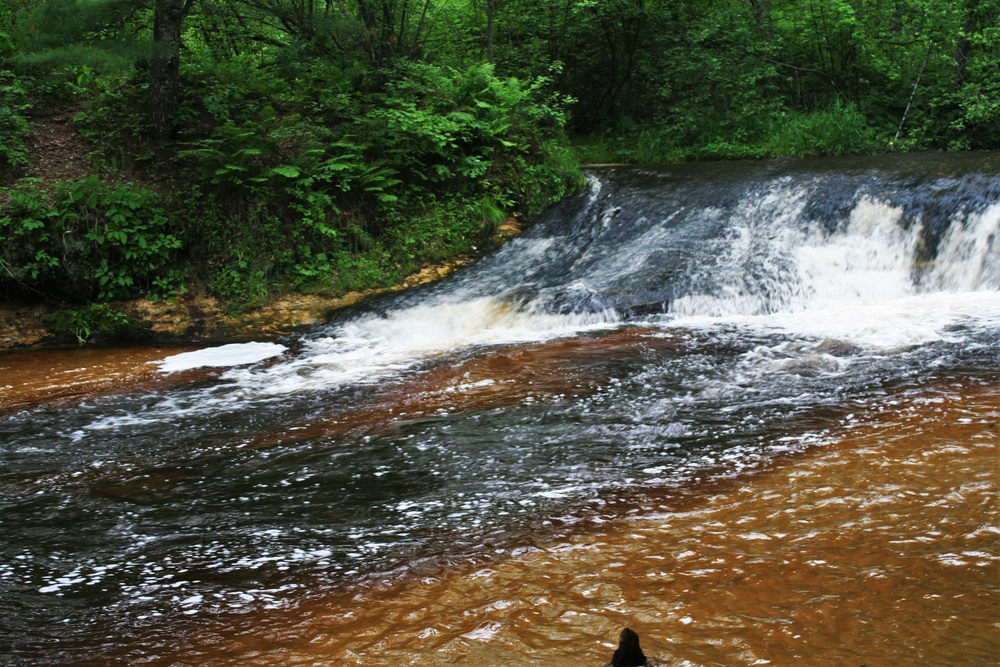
<point x="748" y="409"/>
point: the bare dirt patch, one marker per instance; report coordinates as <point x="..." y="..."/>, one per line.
<point x="58" y="153"/>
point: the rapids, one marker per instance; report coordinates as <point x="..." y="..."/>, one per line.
<point x="748" y="408"/>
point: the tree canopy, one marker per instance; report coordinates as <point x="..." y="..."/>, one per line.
<point x="702" y="71"/>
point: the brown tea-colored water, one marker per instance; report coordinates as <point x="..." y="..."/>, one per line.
<point x="880" y="549"/>
<point x="31" y="377"/>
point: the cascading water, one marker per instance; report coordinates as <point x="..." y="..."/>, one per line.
<point x="668" y="249"/>
<point x="663" y="327"/>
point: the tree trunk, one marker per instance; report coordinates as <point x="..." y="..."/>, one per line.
<point x="164" y="68"/>
<point x="491" y="9"/>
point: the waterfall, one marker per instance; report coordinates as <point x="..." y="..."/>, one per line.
<point x="875" y="254"/>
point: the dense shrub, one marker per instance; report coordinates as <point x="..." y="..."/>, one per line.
<point x="838" y="130"/>
<point x="92" y="321"/>
<point x="14" y="128"/>
<point x="88" y="241"/>
<point x="315" y="191"/>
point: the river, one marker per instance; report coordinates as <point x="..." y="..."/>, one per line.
<point x="748" y="409"/>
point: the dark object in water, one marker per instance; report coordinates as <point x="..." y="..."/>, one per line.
<point x="628" y="653"/>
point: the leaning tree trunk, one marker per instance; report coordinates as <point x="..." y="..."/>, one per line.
<point x="164" y="67"/>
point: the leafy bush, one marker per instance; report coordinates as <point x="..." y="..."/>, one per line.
<point x="838" y="130"/>
<point x="14" y="127"/>
<point x="95" y="319"/>
<point x="441" y="125"/>
<point x="88" y="240"/>
<point x="301" y="200"/>
<point x="371" y="268"/>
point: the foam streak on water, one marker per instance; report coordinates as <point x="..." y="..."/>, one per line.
<point x="370" y="348"/>
<point x="234" y="354"/>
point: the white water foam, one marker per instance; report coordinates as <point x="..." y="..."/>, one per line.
<point x="968" y="257"/>
<point x="365" y="350"/>
<point x="861" y="284"/>
<point x="235" y="354"/>
<point x="771" y="265"/>
<point x="372" y="348"/>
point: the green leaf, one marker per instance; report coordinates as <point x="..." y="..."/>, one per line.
<point x="286" y="170"/>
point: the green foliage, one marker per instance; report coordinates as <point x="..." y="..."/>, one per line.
<point x="838" y="130"/>
<point x="88" y="240"/>
<point x="51" y="36"/>
<point x="490" y="215"/>
<point x="978" y="98"/>
<point x="713" y="78"/>
<point x="470" y="130"/>
<point x="126" y="230"/>
<point x="303" y="201"/>
<point x="643" y="145"/>
<point x="66" y="72"/>
<point x="372" y="268"/>
<point x="29" y="236"/>
<point x="14" y="127"/>
<point x="111" y="123"/>
<point x="441" y="229"/>
<point x="92" y="320"/>
<point x="242" y="285"/>
<point x="237" y="156"/>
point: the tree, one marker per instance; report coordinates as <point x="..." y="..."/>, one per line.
<point x="491" y="13"/>
<point x="164" y="66"/>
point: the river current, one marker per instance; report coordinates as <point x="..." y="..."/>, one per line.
<point x="749" y="409"/>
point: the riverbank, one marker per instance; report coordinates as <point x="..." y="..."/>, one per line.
<point x="199" y="319"/>
<point x="204" y="319"/>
